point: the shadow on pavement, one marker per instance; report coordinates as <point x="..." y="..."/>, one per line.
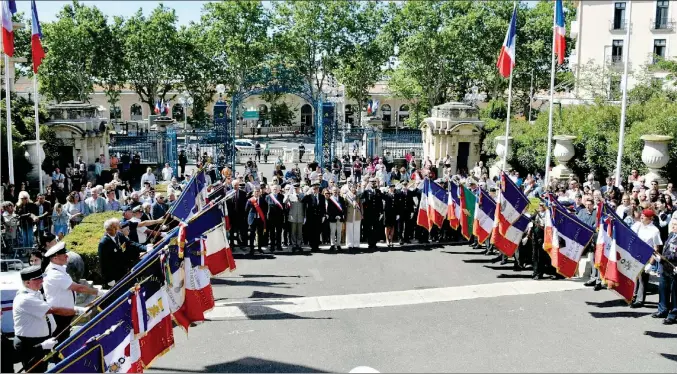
<point x="669" y="356"/>
<point x="463" y="253"/>
<point x="608" y="303"/>
<point x="248" y="365"/>
<point x="479" y="261"/>
<point x="251" y="283"/>
<point x="514" y="276"/>
<point x="270" y="295"/>
<point x="272" y="276"/>
<point x="619" y="314"/>
<point x="660" y="335"/>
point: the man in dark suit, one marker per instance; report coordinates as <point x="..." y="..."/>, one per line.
<point x="276" y="213"/>
<point x="117" y="254"/>
<point x="160" y="208"/>
<point x="372" y="202"/>
<point x="237" y="213"/>
<point x="315" y="215"/>
<point x="256" y="219"/>
<point x="336" y="215"/>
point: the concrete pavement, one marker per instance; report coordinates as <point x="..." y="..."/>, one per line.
<point x="447" y="309"/>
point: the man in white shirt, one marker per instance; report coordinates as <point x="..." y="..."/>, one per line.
<point x="96" y="203"/>
<point x="167" y="173"/>
<point x="34" y="321"/>
<point x="148" y="177"/>
<point x="649" y="233"/>
<point x="60" y="288"/>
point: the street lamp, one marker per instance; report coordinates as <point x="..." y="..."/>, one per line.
<point x="186" y="101"/>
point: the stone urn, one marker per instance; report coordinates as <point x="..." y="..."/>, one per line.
<point x="35" y="155"/>
<point x="503" y="154"/>
<point x="563" y="152"/>
<point x="655" y="156"/>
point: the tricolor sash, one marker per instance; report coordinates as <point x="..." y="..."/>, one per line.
<point x="333" y="200"/>
<point x="277" y="202"/>
<point x="255" y="204"/>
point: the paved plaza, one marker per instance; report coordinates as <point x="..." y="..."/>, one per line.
<point x="446" y="309"/>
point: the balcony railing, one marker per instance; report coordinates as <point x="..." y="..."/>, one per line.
<point x="614" y="60"/>
<point x="663" y="24"/>
<point x="618" y="25"/>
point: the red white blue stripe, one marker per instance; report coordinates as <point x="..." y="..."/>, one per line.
<point x="575" y="236"/>
<point x="36" y="35"/>
<point x="484" y="216"/>
<point x="560" y="32"/>
<point x="627" y="257"/>
<point x="8" y="10"/>
<point x="506" y="60"/>
<point x="437" y="203"/>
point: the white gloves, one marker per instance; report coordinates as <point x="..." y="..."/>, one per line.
<point x="338" y="218"/>
<point x="149" y="247"/>
<point x="79" y="310"/>
<point x="48" y="344"/>
<point x="397" y="218"/>
<point x="111" y="283"/>
<point x="647" y="268"/>
<point x="657" y="258"/>
<point x="101" y="292"/>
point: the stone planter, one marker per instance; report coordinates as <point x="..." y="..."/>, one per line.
<point x="563" y="152"/>
<point x="503" y="154"/>
<point x="655" y="156"/>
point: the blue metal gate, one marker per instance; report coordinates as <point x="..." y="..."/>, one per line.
<point x="401" y="142"/>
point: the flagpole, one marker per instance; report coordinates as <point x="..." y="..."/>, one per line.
<point x="552" y="99"/>
<point x="507" y="122"/>
<point x="37" y="130"/>
<point x="624" y="104"/>
<point x="8" y="110"/>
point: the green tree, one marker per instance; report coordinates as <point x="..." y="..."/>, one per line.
<point x="151" y="53"/>
<point x="112" y="75"/>
<point x="73" y="45"/>
<point x="197" y="72"/>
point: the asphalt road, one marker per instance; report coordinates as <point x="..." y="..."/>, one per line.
<point x="448" y="309"/>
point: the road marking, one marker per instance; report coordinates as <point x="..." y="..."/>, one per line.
<point x="385" y="299"/>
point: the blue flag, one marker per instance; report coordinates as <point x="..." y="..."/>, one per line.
<point x="192" y="199"/>
<point x="88" y="359"/>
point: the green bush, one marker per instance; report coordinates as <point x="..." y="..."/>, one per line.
<point x="84" y="240"/>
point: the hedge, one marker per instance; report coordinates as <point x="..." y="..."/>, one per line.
<point x="84" y="240"/>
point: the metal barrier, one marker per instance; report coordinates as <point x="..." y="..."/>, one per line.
<point x="146" y="145"/>
<point x="401" y="142"/>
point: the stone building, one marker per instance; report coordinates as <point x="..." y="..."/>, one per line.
<point x="453" y="129"/>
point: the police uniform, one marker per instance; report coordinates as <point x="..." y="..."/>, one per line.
<point x="372" y="202"/>
<point x="56" y="285"/>
<point x="32" y="323"/>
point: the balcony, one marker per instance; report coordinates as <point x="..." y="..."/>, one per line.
<point x="616" y="62"/>
<point x="618" y="25"/>
<point x="663" y="25"/>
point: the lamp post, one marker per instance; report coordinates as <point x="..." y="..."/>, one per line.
<point x="186" y="101"/>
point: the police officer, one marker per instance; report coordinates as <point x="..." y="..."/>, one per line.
<point x="372" y="202"/>
<point x="60" y="288"/>
<point x="34" y="321"/>
<point x="315" y="208"/>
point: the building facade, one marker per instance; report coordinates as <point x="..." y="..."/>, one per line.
<point x="600" y="38"/>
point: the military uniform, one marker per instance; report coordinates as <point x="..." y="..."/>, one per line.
<point x="372" y="203"/>
<point x="276" y="213"/>
<point x="315" y="212"/>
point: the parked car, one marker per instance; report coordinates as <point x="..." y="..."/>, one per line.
<point x="247" y="144"/>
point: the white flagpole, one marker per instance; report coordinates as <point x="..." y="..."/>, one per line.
<point x="624" y="105"/>
<point x="37" y="130"/>
<point x="10" y="151"/>
<point x="507" y="121"/>
<point x="552" y="99"/>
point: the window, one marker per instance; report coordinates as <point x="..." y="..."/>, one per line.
<point x="135" y="112"/>
<point x="617" y="51"/>
<point x="619" y="16"/>
<point x="387" y="117"/>
<point x="661" y="14"/>
<point x="658" y="50"/>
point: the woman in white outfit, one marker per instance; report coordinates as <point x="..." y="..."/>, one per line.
<point x="353" y="219"/>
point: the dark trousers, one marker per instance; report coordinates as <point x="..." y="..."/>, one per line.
<point x="667" y="292"/>
<point x="640" y="287"/>
<point x="182" y="170"/>
<point x="538" y="256"/>
<point x="314" y="233"/>
<point x="371" y="230"/>
<point x="325" y="232"/>
<point x="275" y="233"/>
<point x="8" y="356"/>
<point x="400" y="228"/>
<point x="62" y="329"/>
<point x="255" y="228"/>
<point x="29" y="354"/>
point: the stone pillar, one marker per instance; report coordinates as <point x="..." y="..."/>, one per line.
<point x="161" y="124"/>
<point x="85" y="151"/>
<point x="563" y="152"/>
<point x="655" y="156"/>
<point x="36" y="155"/>
<point x="503" y="153"/>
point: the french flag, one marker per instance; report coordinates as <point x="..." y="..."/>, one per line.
<point x="217" y="254"/>
<point x="506" y="60"/>
<point x="509" y="242"/>
<point x="423" y="218"/>
<point x="627" y="257"/>
<point x="603" y="244"/>
<point x="454" y="206"/>
<point x="575" y="236"/>
<point x="560" y="32"/>
<point x="511" y="204"/>
<point x="152" y="321"/>
<point x="484" y="216"/>
<point x="36" y="44"/>
<point x="8" y="10"/>
<point x="437" y="203"/>
<point x="369" y="108"/>
<point x="157" y="107"/>
<point x="167" y="109"/>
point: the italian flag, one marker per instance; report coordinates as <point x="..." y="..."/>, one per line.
<point x="468" y="202"/>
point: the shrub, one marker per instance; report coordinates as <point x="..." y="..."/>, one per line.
<point x="84" y="240"/>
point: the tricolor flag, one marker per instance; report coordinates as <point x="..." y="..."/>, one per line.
<point x="217" y="255"/>
<point x="603" y="244"/>
<point x="8" y="10"/>
<point x="153" y="328"/>
<point x="192" y="198"/>
<point x="627" y="257"/>
<point x="87" y="359"/>
<point x="511" y="204"/>
<point x="560" y="32"/>
<point x="157" y="107"/>
<point x="36" y="43"/>
<point x="484" y="217"/>
<point x="506" y="60"/>
<point x="423" y="218"/>
<point x="468" y="202"/>
<point x="374" y="106"/>
<point x="572" y="237"/>
<point x="454" y="205"/>
<point x="509" y="242"/>
<point x="437" y="203"/>
<point x="167" y="109"/>
<point x="369" y="108"/>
